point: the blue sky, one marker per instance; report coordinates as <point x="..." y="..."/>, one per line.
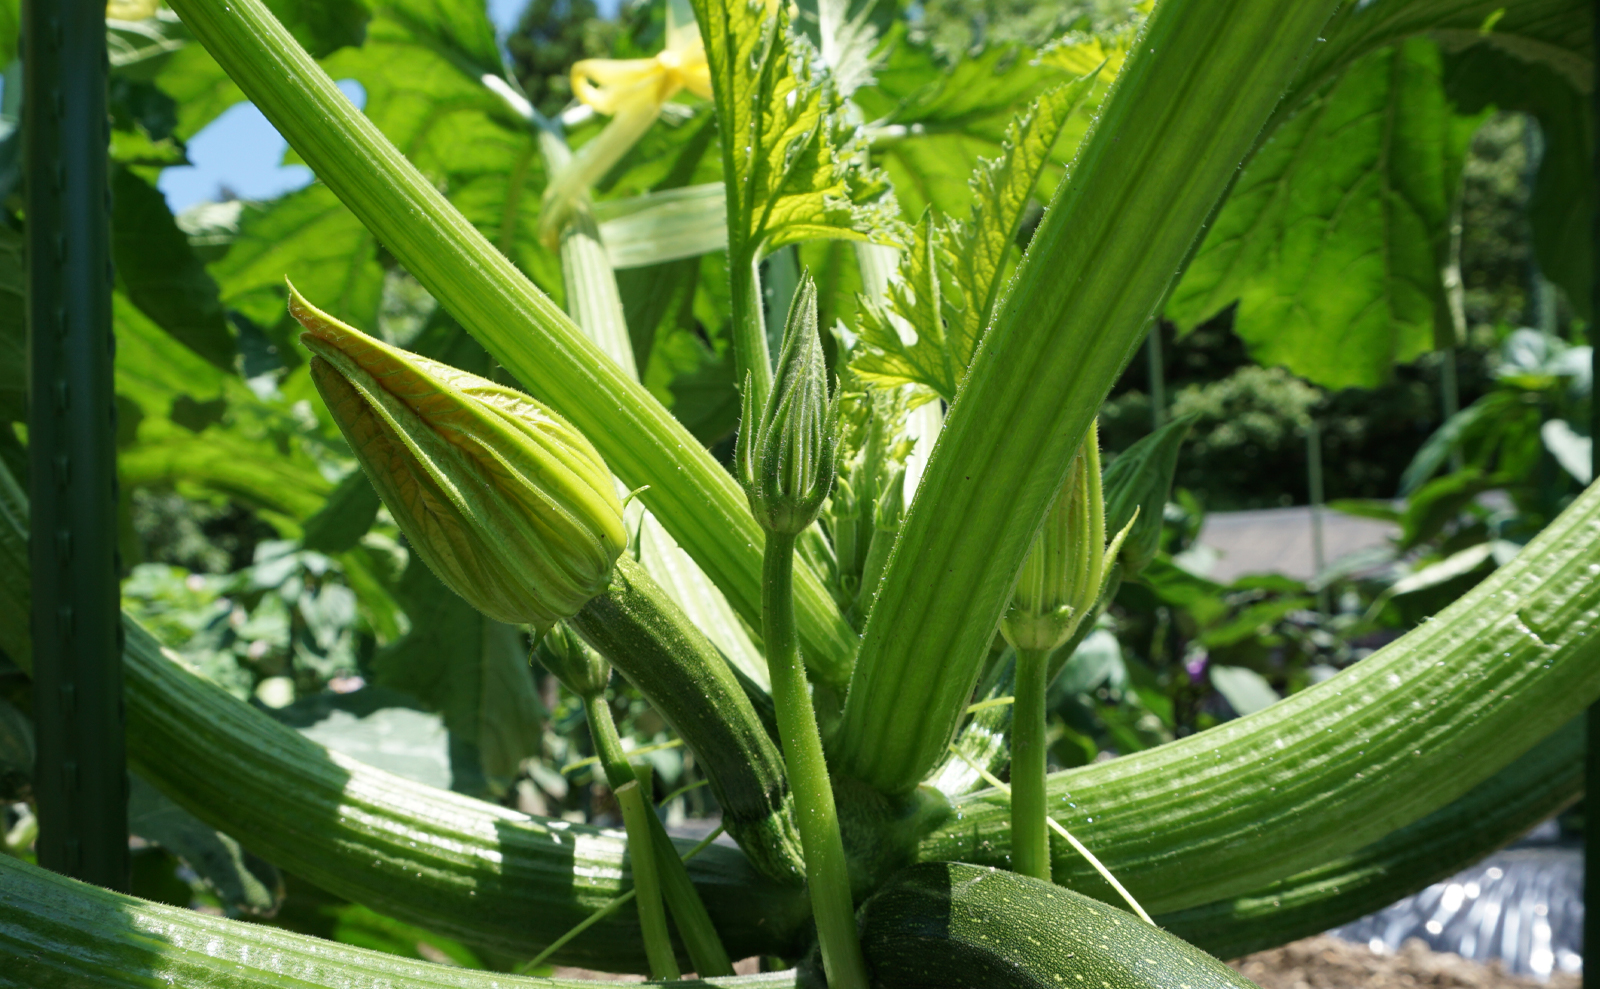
<point x="240" y="151"/>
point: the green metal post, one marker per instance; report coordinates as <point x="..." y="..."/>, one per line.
<point x="81" y="779"/>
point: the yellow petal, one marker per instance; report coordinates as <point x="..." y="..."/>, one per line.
<point x="610" y="85"/>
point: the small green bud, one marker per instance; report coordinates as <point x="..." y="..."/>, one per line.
<point x="509" y="505"/>
<point x="1069" y="561"/>
<point x="570" y="660"/>
<point x="1137" y="485"/>
<point x="785" y="458"/>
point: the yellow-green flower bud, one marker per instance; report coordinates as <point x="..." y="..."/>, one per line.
<point x="570" y="660"/>
<point x="506" y="502"/>
<point x="1067" y="566"/>
<point x="785" y="459"/>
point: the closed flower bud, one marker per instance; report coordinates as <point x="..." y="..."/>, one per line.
<point x="1066" y="568"/>
<point x="785" y="457"/>
<point x="508" y="504"/>
<point x="570" y="660"/>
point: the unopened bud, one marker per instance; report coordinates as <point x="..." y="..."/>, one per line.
<point x="506" y="502"/>
<point x="785" y="457"/>
<point x="1066" y="568"/>
<point x="570" y="660"/>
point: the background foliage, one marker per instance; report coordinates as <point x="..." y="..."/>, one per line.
<point x="257" y="551"/>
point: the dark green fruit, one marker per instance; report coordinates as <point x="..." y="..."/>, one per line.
<point x="948" y="925"/>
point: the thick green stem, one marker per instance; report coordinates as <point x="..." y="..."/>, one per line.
<point x="826" y="871"/>
<point x="692" y="496"/>
<point x="688" y="912"/>
<point x="636" y="817"/>
<point x="1030" y="836"/>
<point x="1187" y="107"/>
<point x="749" y="330"/>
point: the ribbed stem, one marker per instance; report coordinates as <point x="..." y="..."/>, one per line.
<point x="749" y="329"/>
<point x="691" y="495"/>
<point x="826" y="871"/>
<point x="641" y="850"/>
<point x="1030" y="836"/>
<point x="688" y="912"/>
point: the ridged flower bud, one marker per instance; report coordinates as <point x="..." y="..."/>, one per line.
<point x="570" y="660"/>
<point x="506" y="502"/>
<point x="785" y="458"/>
<point x="1067" y="566"/>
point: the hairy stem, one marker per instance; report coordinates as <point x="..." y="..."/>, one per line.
<point x="826" y="872"/>
<point x="1030" y="837"/>
<point x="750" y="352"/>
<point x="688" y="912"/>
<point x="636" y="817"/>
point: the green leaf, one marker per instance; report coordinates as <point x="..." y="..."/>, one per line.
<point x="160" y="273"/>
<point x="203" y="90"/>
<point x="10" y="29"/>
<point x="790" y="163"/>
<point x="1333" y="239"/>
<point x="1561" y="203"/>
<point x="1140" y="480"/>
<point x="951" y="277"/>
<point x="349" y="512"/>
<point x="424" y="70"/>
<point x="978" y="246"/>
<point x="243" y="883"/>
<point x="932" y="122"/>
<point x="1555" y="33"/>
<point x="472" y="670"/>
<point x="309" y="238"/>
<point x="904" y="341"/>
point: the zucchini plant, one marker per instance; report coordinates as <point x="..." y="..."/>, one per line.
<point x="853" y="625"/>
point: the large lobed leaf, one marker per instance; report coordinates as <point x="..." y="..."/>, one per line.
<point x="1334" y="238"/>
<point x="1335" y="234"/>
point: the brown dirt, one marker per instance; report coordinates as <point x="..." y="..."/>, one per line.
<point x="1328" y="963"/>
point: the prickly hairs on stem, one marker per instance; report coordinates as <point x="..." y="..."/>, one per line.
<point x="785" y="457"/>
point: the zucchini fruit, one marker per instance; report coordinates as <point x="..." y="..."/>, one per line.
<point x="647" y="638"/>
<point x="950" y="925"/>
<point x="58" y="933"/>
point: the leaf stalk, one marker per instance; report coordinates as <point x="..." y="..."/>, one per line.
<point x="826" y="871"/>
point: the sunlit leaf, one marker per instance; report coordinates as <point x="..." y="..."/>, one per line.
<point x="794" y="171"/>
<point x="950" y="279"/>
<point x="1334" y="236"/>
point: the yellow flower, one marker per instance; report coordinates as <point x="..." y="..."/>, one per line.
<point x="631" y="92"/>
<point x="131" y="10"/>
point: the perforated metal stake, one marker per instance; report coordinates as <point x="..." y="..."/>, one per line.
<point x="81" y="774"/>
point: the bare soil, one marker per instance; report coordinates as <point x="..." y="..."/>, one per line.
<point x="1325" y="962"/>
